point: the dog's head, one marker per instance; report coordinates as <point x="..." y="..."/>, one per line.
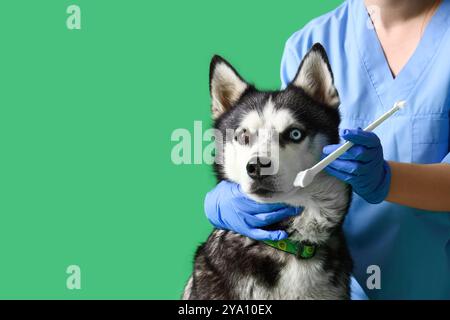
<point x="265" y="138"/>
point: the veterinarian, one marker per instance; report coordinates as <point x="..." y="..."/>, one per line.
<point x="381" y="51"/>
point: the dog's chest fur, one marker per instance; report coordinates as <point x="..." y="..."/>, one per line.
<point x="304" y="118"/>
<point x="231" y="266"/>
<point x="298" y="280"/>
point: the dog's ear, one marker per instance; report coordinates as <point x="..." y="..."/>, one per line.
<point x="226" y="86"/>
<point x="315" y="77"/>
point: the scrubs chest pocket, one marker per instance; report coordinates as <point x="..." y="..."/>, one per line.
<point x="430" y="138"/>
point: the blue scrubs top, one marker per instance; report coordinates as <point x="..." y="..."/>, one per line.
<point x="411" y="246"/>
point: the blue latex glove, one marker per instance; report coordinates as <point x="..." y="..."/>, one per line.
<point x="227" y="207"/>
<point x="363" y="166"/>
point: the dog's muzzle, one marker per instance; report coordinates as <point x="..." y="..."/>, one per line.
<point x="259" y="168"/>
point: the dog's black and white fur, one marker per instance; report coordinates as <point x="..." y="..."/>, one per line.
<point x="305" y="118"/>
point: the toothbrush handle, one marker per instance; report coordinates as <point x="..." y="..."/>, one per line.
<point x="347" y="146"/>
<point x="336" y="154"/>
<point x="383" y="118"/>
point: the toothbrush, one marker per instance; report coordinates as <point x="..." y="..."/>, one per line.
<point x="305" y="178"/>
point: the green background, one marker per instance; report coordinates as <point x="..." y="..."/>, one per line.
<point x="86" y="118"/>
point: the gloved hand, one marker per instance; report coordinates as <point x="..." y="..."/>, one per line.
<point x="228" y="208"/>
<point x="363" y="166"/>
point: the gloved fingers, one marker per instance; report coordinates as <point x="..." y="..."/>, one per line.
<point x="327" y="150"/>
<point x="345" y="166"/>
<point x="263" y="235"/>
<point x="364" y="154"/>
<point x="211" y="211"/>
<point x="251" y="207"/>
<point x="343" y="176"/>
<point x="341" y="131"/>
<point x="266" y="219"/>
<point x="355" y="168"/>
<point x="358" y="152"/>
<point x="361" y="137"/>
<point x="244" y="204"/>
<point x="210" y="196"/>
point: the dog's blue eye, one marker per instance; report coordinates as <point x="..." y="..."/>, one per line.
<point x="295" y="135"/>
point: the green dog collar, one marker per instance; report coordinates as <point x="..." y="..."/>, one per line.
<point x="301" y="250"/>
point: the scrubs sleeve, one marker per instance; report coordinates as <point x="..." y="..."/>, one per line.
<point x="289" y="63"/>
<point x="357" y="292"/>
<point x="297" y="46"/>
<point x="446" y="159"/>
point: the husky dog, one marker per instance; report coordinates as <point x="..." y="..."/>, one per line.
<point x="304" y="118"/>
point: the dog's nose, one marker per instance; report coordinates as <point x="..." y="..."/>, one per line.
<point x="256" y="166"/>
